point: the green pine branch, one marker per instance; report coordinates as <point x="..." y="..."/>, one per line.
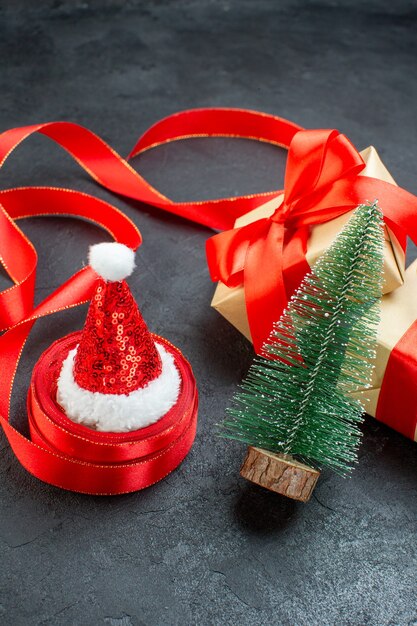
<point x="296" y="399"/>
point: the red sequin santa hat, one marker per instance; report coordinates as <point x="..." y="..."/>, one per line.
<point x="118" y="378"/>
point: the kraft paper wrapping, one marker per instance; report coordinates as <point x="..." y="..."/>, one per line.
<point x="231" y="302"/>
<point x="398" y="313"/>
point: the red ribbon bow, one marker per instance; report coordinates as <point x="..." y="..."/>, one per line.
<point x="267" y="256"/>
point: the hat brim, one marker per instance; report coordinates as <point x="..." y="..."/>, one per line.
<point x="50" y="424"/>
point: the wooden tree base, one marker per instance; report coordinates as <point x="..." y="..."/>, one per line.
<point x="280" y="473"/>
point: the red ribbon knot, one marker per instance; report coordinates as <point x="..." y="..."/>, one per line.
<point x="268" y="256"/>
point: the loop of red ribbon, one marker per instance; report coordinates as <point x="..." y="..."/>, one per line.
<point x="321" y="183"/>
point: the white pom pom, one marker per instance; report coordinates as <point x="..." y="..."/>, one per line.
<point x="112" y="261"/>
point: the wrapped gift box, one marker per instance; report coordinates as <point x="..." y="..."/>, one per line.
<point x="396" y="374"/>
<point x="230" y="302"/>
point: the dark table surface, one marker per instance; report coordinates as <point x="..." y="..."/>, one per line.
<point x="203" y="546"/>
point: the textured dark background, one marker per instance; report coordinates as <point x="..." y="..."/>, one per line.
<point x="203" y="547"/>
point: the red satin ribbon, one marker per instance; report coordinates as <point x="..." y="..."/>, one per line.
<point x="397" y="400"/>
<point x="321" y="182"/>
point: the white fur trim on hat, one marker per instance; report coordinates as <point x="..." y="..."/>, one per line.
<point x="112" y="261"/>
<point x="119" y="413"/>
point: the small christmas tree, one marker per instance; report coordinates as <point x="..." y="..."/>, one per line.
<point x="295" y="400"/>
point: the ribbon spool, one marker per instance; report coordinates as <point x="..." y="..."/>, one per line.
<point x="106" y="463"/>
